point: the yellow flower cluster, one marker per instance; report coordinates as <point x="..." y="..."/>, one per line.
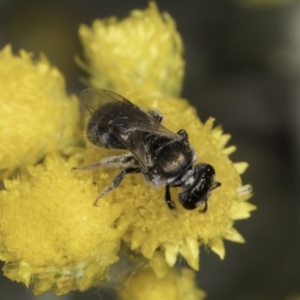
<point x="141" y="54"/>
<point x="53" y="238"/>
<point x="51" y="235"/>
<point x="36" y="116"/>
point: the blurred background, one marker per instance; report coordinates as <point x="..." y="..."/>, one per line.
<point x="243" y="68"/>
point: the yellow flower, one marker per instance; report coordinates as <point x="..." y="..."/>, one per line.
<point x="36" y="115"/>
<point x="141" y="54"/>
<point x="152" y="228"/>
<point x="51" y="235"/>
<point x="177" y="285"/>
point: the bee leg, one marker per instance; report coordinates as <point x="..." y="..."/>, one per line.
<point x="156" y="115"/>
<point x="205" y="206"/>
<point x="116" y="182"/>
<point x="183" y="133"/>
<point x="168" y="199"/>
<point x="118" y="161"/>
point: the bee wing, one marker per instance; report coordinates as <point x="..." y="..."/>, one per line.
<point x="126" y="121"/>
<point x="135" y="142"/>
<point x="130" y="118"/>
<point x="93" y="99"/>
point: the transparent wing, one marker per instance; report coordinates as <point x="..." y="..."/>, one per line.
<point x="93" y="99"/>
<point x="129" y="116"/>
<point x="126" y="121"/>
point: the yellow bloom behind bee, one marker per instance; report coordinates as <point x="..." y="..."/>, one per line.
<point x="177" y="285"/>
<point x="36" y="115"/>
<point x="141" y="54"/>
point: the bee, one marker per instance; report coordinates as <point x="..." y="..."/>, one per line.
<point x="160" y="155"/>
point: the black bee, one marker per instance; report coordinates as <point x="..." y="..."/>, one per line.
<point x="163" y="157"/>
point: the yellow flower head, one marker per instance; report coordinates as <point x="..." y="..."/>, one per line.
<point x="140" y="54"/>
<point x="36" y="115"/>
<point x="153" y="229"/>
<point x="177" y="285"/>
<point x="50" y="234"/>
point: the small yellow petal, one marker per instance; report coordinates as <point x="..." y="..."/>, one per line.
<point x="241" y="210"/>
<point x="223" y="139"/>
<point x="148" y="248"/>
<point x="241" y="167"/>
<point x="22" y="274"/>
<point x="171" y="252"/>
<point x="138" y="237"/>
<point x="190" y="251"/>
<point x="233" y="235"/>
<point x="159" y="265"/>
<point x="229" y="150"/>
<point x="217" y="245"/>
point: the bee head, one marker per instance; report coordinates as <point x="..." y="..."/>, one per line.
<point x="198" y="187"/>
